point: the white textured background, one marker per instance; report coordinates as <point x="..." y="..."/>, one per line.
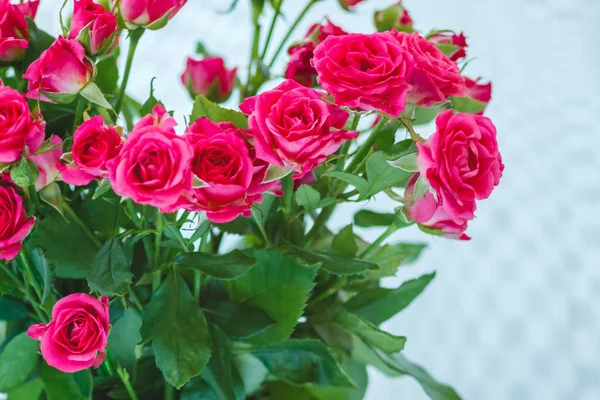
<point x="515" y="313"/>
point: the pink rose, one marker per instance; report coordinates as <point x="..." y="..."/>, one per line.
<point x="365" y="72"/>
<point x="299" y="67"/>
<point x="77" y="336"/>
<point x="19" y="130"/>
<point x="479" y="91"/>
<point x="13" y="29"/>
<point x="209" y="77"/>
<point x="435" y="77"/>
<point x="455" y="44"/>
<point x="394" y="17"/>
<point x="293" y="126"/>
<point x="94" y="145"/>
<point x="461" y="162"/>
<point x="93" y="26"/>
<point x="159" y="118"/>
<point x="60" y="73"/>
<point x="349" y="4"/>
<point x="47" y="164"/>
<point x="14" y="223"/>
<point x="146" y="12"/>
<point x="229" y="178"/>
<point x="153" y="166"/>
<point x="431" y="214"/>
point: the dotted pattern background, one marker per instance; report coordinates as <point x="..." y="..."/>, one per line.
<point x="513" y="314"/>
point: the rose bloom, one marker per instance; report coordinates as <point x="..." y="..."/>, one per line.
<point x="365" y="72"/>
<point x="299" y="67"/>
<point x="99" y="36"/>
<point x="159" y="118"/>
<point x="13" y="29"/>
<point x="153" y="166"/>
<point x="478" y="91"/>
<point x="431" y="214"/>
<point x="349" y="4"/>
<point x="229" y="177"/>
<point x="77" y="335"/>
<point x="458" y="41"/>
<point x="62" y="71"/>
<point x="209" y="77"/>
<point x="435" y="77"/>
<point x="19" y="130"/>
<point x="94" y="145"/>
<point x="48" y="164"/>
<point x="293" y="126"/>
<point x="14" y="223"/>
<point x="461" y="161"/>
<point x="146" y="12"/>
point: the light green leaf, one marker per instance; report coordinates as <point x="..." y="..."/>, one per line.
<point x="17" y="361"/>
<point x="467" y="105"/>
<point x="335" y="263"/>
<point x="31" y="390"/>
<point x="107" y="76"/>
<point x="420" y="189"/>
<point x="92" y="92"/>
<point x="206" y="108"/>
<point x="424" y="116"/>
<point x="406" y="163"/>
<point x="381" y="175"/>
<point x="226" y="266"/>
<point x="368" y="332"/>
<point x="344" y="243"/>
<point x="308" y="197"/>
<point x="367" y="219"/>
<point x="124" y="336"/>
<point x="276" y="173"/>
<point x="52" y="196"/>
<point x="392" y="256"/>
<point x="111" y="274"/>
<point x="359" y="183"/>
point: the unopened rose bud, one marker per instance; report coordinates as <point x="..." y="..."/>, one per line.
<point x="209" y="77"/>
<point x="394" y="17"/>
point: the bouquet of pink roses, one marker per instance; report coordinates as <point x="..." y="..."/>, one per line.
<point x="117" y="282"/>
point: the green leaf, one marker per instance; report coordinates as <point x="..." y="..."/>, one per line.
<point x="123" y="338"/>
<point x="17" y="361"/>
<point x="280" y="286"/>
<point x="420" y="189"/>
<point x="12" y="310"/>
<point x="447" y="48"/>
<point x="387" y="135"/>
<point x="238" y="320"/>
<point x="335" y="263"/>
<point x="344" y="242"/>
<point x="206" y="108"/>
<point x="45" y="270"/>
<point x="359" y="183"/>
<point x="60" y="386"/>
<point x="24" y="173"/>
<point x="72" y="254"/>
<point x="92" y="92"/>
<point x="302" y="362"/>
<point x="103" y="188"/>
<point x="110" y="274"/>
<point x="38" y="42"/>
<point x="424" y="116"/>
<point x="467" y="105"/>
<point x="219" y="374"/>
<point x="107" y="76"/>
<point x="308" y="197"/>
<point x="276" y="173"/>
<point x="152" y="101"/>
<point x="380" y="304"/>
<point x="226" y="266"/>
<point x="406" y="163"/>
<point x="52" y="196"/>
<point x="367" y="219"/>
<point x="252" y="372"/>
<point x="391" y="256"/>
<point x="31" y="390"/>
<point x="381" y="175"/>
<point x="176" y="326"/>
<point x="357" y="372"/>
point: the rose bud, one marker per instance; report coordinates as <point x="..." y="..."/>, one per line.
<point x="19" y="130"/>
<point x="461" y="162"/>
<point x="453" y="45"/>
<point x="292" y="126"/>
<point x="431" y="214"/>
<point x="14" y="223"/>
<point x="209" y="77"/>
<point x="365" y="72"/>
<point x="435" y="77"/>
<point x="394" y="17"/>
<point x="349" y="4"/>
<point x="93" y="26"/>
<point x="47" y="164"/>
<point x="76" y="337"/>
<point x="153" y="166"/>
<point x="159" y="118"/>
<point x="150" y="14"/>
<point x="13" y="29"/>
<point x="229" y="178"/>
<point x="94" y="145"/>
<point x="481" y="92"/>
<point x="60" y="73"/>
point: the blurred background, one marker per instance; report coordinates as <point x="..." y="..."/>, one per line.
<point x="514" y="313"/>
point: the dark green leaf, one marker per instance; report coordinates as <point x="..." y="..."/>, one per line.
<point x="124" y="336"/>
<point x="308" y="197"/>
<point x="335" y="263"/>
<point x="39" y="41"/>
<point x="110" y="274"/>
<point x="280" y="286"/>
<point x="302" y="362"/>
<point x="108" y="75"/>
<point x="387" y="135"/>
<point x="103" y="188"/>
<point x="226" y="266"/>
<point x="152" y="101"/>
<point x="380" y="304"/>
<point x="219" y="373"/>
<point x="60" y="386"/>
<point x="31" y="390"/>
<point x="206" y="108"/>
<point x="239" y="320"/>
<point x="344" y="243"/>
<point x="381" y="175"/>
<point x="367" y="219"/>
<point x="17" y="361"/>
<point x="11" y="310"/>
<point x="176" y="326"/>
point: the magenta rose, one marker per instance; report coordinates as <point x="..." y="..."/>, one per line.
<point x="229" y="179"/>
<point x="15" y="225"/>
<point x="209" y="77"/>
<point x="159" y="118"/>
<point x="453" y="44"/>
<point x="60" y="73"/>
<point x="394" y="17"/>
<point x="293" y="126"/>
<point x="48" y="164"/>
<point x="461" y="161"/>
<point x="19" y="129"/>
<point x="365" y="72"/>
<point x="93" y="26"/>
<point x="76" y="337"/>
<point x="94" y="145"/>
<point x="349" y="4"/>
<point x="431" y="214"/>
<point x="153" y="166"/>
<point x="435" y="77"/>
<point x="147" y="12"/>
<point x="478" y="91"/>
<point x="13" y="29"/>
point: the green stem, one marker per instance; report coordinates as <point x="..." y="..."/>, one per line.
<point x="138" y="223"/>
<point x="125" y="379"/>
<point x="261" y="228"/>
<point x="169" y="392"/>
<point x="379" y="241"/>
<point x="135" y="299"/>
<point x="365" y="148"/>
<point x="31" y="277"/>
<point x="249" y="89"/>
<point x="69" y="211"/>
<point x="133" y="43"/>
<point x="78" y="113"/>
<point x="333" y="289"/>
<point x="292" y="29"/>
<point x="157" y="242"/>
<point x="197" y="284"/>
<point x="271" y="30"/>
